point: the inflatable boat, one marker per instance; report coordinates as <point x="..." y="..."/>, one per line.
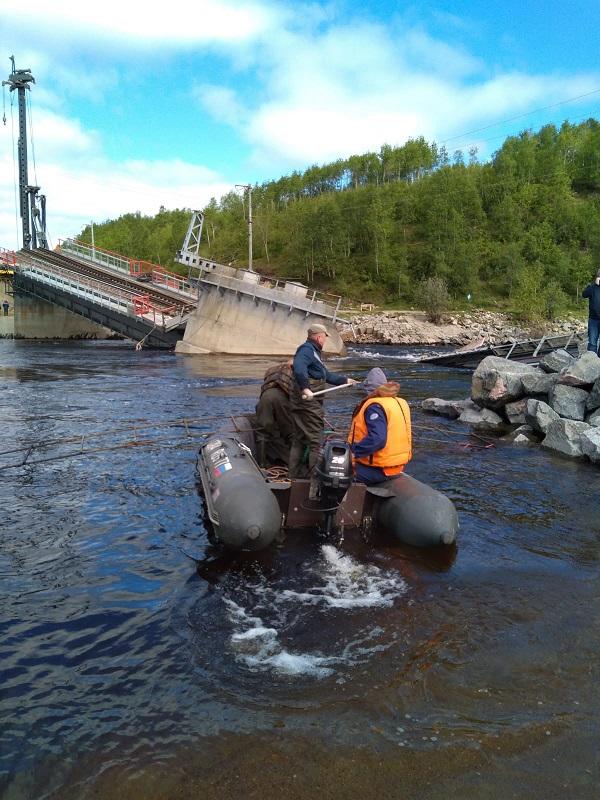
<point x="249" y="507"/>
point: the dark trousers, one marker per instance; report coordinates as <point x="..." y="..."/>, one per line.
<point x="308" y="421"/>
<point x="273" y="427"/>
<point x="593" y="334"/>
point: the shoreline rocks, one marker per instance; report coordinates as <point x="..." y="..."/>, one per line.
<point x="412" y="328"/>
<point x="555" y="404"/>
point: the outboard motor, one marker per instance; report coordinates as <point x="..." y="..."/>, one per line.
<point x="333" y="476"/>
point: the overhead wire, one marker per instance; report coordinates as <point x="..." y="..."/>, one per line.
<point x="31" y="137"/>
<point x="17" y="198"/>
<point x="572" y="120"/>
<point x="524" y="114"/>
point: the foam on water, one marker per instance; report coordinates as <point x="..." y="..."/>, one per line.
<point x="344" y="585"/>
<point x="371" y="354"/>
<point x="349" y="584"/>
<point x="259" y="648"/>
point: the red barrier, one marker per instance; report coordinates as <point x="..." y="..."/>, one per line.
<point x="8" y="258"/>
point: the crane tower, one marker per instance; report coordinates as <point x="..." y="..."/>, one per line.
<point x="32" y="206"/>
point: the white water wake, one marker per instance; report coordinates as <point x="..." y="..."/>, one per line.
<point x="341" y="584"/>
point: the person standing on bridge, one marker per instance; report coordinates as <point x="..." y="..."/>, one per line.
<point x="592" y="292"/>
<point x="5" y="307"/>
<point x="310" y="375"/>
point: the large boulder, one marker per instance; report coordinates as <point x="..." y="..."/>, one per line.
<point x="446" y="408"/>
<point x="583" y="372"/>
<point x="524" y="434"/>
<point x="539" y="415"/>
<point x="556" y="361"/>
<point x="593" y="400"/>
<point x="483" y="419"/>
<point x="539" y="382"/>
<point x="498" y="381"/>
<point x="594" y="418"/>
<point x="590" y="444"/>
<point x="568" y="401"/>
<point x="515" y="412"/>
<point x="565" y="436"/>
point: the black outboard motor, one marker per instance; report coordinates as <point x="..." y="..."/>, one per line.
<point x="333" y="476"/>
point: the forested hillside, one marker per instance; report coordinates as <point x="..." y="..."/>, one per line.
<point x="522" y="229"/>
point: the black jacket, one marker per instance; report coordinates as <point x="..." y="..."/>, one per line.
<point x="592" y="292"/>
<point x="308" y="364"/>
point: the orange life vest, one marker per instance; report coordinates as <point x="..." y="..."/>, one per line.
<point x="398" y="448"/>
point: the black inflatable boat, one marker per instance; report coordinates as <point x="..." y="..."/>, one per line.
<point x="248" y="507"/>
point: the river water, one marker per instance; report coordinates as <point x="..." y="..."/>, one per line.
<point x="139" y="663"/>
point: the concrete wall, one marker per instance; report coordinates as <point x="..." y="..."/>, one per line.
<point x="7" y="323"/>
<point x="38" y="319"/>
<point x="228" y="323"/>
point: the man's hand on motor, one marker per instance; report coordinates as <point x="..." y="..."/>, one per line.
<point x="351" y="381"/>
<point x="307" y="394"/>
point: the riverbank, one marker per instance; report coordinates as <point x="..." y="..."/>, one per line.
<point x="412" y="327"/>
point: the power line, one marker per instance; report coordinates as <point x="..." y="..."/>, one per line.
<point x="506" y="136"/>
<point x="520" y="116"/>
<point x="28" y="101"/>
<point x="12" y="130"/>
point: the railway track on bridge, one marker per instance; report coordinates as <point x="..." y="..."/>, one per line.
<point x="158" y="297"/>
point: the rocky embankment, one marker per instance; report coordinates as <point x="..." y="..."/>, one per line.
<point x="412" y="327"/>
<point x="556" y="404"/>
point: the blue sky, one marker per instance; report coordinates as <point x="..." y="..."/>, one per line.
<point x="141" y="104"/>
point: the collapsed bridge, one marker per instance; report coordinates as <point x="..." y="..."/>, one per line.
<point x="105" y="288"/>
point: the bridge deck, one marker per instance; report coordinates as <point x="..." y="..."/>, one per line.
<point x="155" y="316"/>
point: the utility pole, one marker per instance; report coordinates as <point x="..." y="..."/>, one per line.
<point x="93" y="245"/>
<point x="20" y="79"/>
<point x="248" y="188"/>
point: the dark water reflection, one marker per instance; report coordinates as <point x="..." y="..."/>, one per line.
<point x="364" y="670"/>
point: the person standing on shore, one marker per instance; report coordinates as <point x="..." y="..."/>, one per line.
<point x="310" y="375"/>
<point x="592" y="292"/>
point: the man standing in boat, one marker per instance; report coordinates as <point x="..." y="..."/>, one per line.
<point x="592" y="292"/>
<point x="310" y="375"/>
<point x="274" y="416"/>
<point x="380" y="432"/>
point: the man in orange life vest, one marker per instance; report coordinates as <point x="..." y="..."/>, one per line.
<point x="380" y="432"/>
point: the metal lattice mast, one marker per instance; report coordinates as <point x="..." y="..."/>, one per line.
<point x="20" y="79"/>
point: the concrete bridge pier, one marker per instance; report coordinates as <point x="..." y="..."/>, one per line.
<point x="234" y="322"/>
<point x="32" y="318"/>
<point x="7" y="320"/>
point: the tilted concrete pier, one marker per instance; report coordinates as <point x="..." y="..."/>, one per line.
<point x="240" y="311"/>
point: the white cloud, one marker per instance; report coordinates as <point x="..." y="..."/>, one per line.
<point x="95" y="189"/>
<point x="352" y="88"/>
<point x="221" y="103"/>
<point x="143" y="23"/>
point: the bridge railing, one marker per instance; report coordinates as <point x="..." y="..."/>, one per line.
<point x="159" y="315"/>
<point x="287" y="293"/>
<point x="170" y="280"/>
<point x="104" y="258"/>
<point x="8" y="258"/>
<point x="100" y="292"/>
<point x="133" y="267"/>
